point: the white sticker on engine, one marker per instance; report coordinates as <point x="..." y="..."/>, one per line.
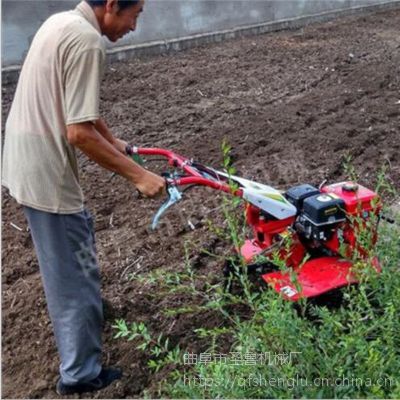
<point x="323" y="198"/>
<point x="288" y="291"/>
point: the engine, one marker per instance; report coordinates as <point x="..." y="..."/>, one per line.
<point x="323" y="219"/>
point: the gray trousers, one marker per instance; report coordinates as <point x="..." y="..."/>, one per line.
<point x="65" y="248"/>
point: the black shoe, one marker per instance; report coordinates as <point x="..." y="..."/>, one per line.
<point x="106" y="376"/>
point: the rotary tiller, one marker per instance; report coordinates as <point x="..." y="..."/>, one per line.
<point x="312" y="231"/>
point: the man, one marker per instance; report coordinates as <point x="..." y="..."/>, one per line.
<point x="56" y="110"/>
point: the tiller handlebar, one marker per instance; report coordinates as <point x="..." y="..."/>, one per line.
<point x="193" y="173"/>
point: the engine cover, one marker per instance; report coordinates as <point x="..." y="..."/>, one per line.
<point x="324" y="208"/>
<point x="297" y="194"/>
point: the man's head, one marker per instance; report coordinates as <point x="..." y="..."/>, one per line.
<point x="116" y="17"/>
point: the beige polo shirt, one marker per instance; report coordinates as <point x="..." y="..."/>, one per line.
<point x="59" y="85"/>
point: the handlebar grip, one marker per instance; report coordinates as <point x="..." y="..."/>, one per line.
<point x="132" y="151"/>
<point x="129" y="150"/>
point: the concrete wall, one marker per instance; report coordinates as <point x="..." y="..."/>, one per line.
<point x="163" y="20"/>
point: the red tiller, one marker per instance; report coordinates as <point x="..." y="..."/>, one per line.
<point x="312" y="231"/>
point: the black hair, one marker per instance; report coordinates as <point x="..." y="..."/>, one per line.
<point x="121" y="3"/>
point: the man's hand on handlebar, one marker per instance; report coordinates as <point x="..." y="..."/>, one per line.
<point x="151" y="185"/>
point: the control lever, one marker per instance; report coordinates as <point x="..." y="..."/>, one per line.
<point x="174" y="195"/>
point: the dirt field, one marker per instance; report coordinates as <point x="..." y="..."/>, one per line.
<point x="292" y="104"/>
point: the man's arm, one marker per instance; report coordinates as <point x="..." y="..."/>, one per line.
<point x="102" y="128"/>
<point x="85" y="137"/>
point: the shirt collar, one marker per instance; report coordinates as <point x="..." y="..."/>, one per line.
<point x="87" y="12"/>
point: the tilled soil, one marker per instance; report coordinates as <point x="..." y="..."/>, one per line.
<point x="294" y="105"/>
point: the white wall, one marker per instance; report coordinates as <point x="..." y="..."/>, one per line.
<point x="162" y="19"/>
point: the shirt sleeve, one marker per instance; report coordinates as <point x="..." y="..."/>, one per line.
<point x="82" y="87"/>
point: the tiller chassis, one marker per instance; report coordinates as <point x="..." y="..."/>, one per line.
<point x="312" y="231"/>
